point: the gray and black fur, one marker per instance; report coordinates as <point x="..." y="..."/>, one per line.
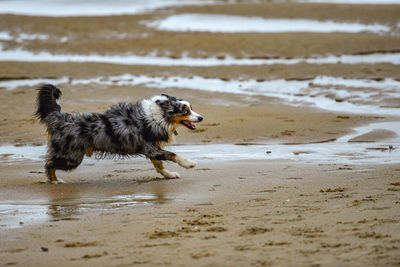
<point x="125" y="129"/>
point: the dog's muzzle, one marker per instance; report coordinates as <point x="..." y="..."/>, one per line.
<point x="194" y="118"/>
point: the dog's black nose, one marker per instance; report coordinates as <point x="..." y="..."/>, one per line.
<point x="200" y="119"/>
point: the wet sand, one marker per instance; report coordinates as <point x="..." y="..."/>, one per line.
<point x="222" y="213"/>
<point x="236" y="213"/>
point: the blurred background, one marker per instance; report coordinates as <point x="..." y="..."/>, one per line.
<point x="324" y="55"/>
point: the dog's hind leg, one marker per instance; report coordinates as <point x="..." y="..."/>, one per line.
<point x="60" y="163"/>
<point x="51" y="174"/>
<point x="158" y="165"/>
<point x="48" y="136"/>
<point x="89" y="151"/>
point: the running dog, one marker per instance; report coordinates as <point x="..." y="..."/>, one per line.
<point x="125" y="129"/>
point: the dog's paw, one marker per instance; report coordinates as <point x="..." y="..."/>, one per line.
<point x="171" y="175"/>
<point x="175" y="175"/>
<point x="58" y="181"/>
<point x="186" y="163"/>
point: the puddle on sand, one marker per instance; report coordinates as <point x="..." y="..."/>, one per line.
<point x="241" y="24"/>
<point x="15" y="214"/>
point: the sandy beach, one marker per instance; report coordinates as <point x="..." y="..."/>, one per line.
<point x="247" y="213"/>
<point x="297" y="162"/>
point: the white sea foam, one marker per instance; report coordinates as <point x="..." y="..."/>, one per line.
<point x="62" y="8"/>
<point x="129" y="59"/>
<point x="240" y="24"/>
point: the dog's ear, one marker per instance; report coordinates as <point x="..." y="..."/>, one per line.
<point x="163" y="103"/>
<point x="170" y="98"/>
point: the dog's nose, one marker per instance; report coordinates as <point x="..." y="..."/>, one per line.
<point x="200" y="119"/>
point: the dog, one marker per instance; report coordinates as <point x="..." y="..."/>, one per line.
<point x="125" y="129"/>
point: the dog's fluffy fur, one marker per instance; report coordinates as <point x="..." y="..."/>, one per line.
<point x="125" y="129"/>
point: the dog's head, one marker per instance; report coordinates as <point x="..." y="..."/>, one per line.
<point x="178" y="111"/>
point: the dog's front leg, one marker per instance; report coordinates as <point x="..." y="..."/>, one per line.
<point x="158" y="165"/>
<point x="158" y="154"/>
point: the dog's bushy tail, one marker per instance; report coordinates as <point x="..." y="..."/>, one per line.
<point x="47" y="101"/>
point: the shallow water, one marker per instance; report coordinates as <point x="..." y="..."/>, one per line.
<point x="64" y="8"/>
<point x="13" y="84"/>
<point x="240" y="24"/>
<point x="338" y="151"/>
<point x="360" y="96"/>
<point x="20" y="213"/>
<point x="130" y="59"/>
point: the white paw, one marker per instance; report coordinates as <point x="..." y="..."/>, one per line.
<point x="58" y="181"/>
<point x="186" y="163"/>
<point x="171" y="175"/>
<point x="175" y="175"/>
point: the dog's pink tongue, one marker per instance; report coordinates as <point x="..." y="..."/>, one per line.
<point x="189" y="125"/>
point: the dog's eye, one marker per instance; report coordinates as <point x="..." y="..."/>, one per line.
<point x="186" y="112"/>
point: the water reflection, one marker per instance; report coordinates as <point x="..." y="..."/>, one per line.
<point x="14" y="214"/>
